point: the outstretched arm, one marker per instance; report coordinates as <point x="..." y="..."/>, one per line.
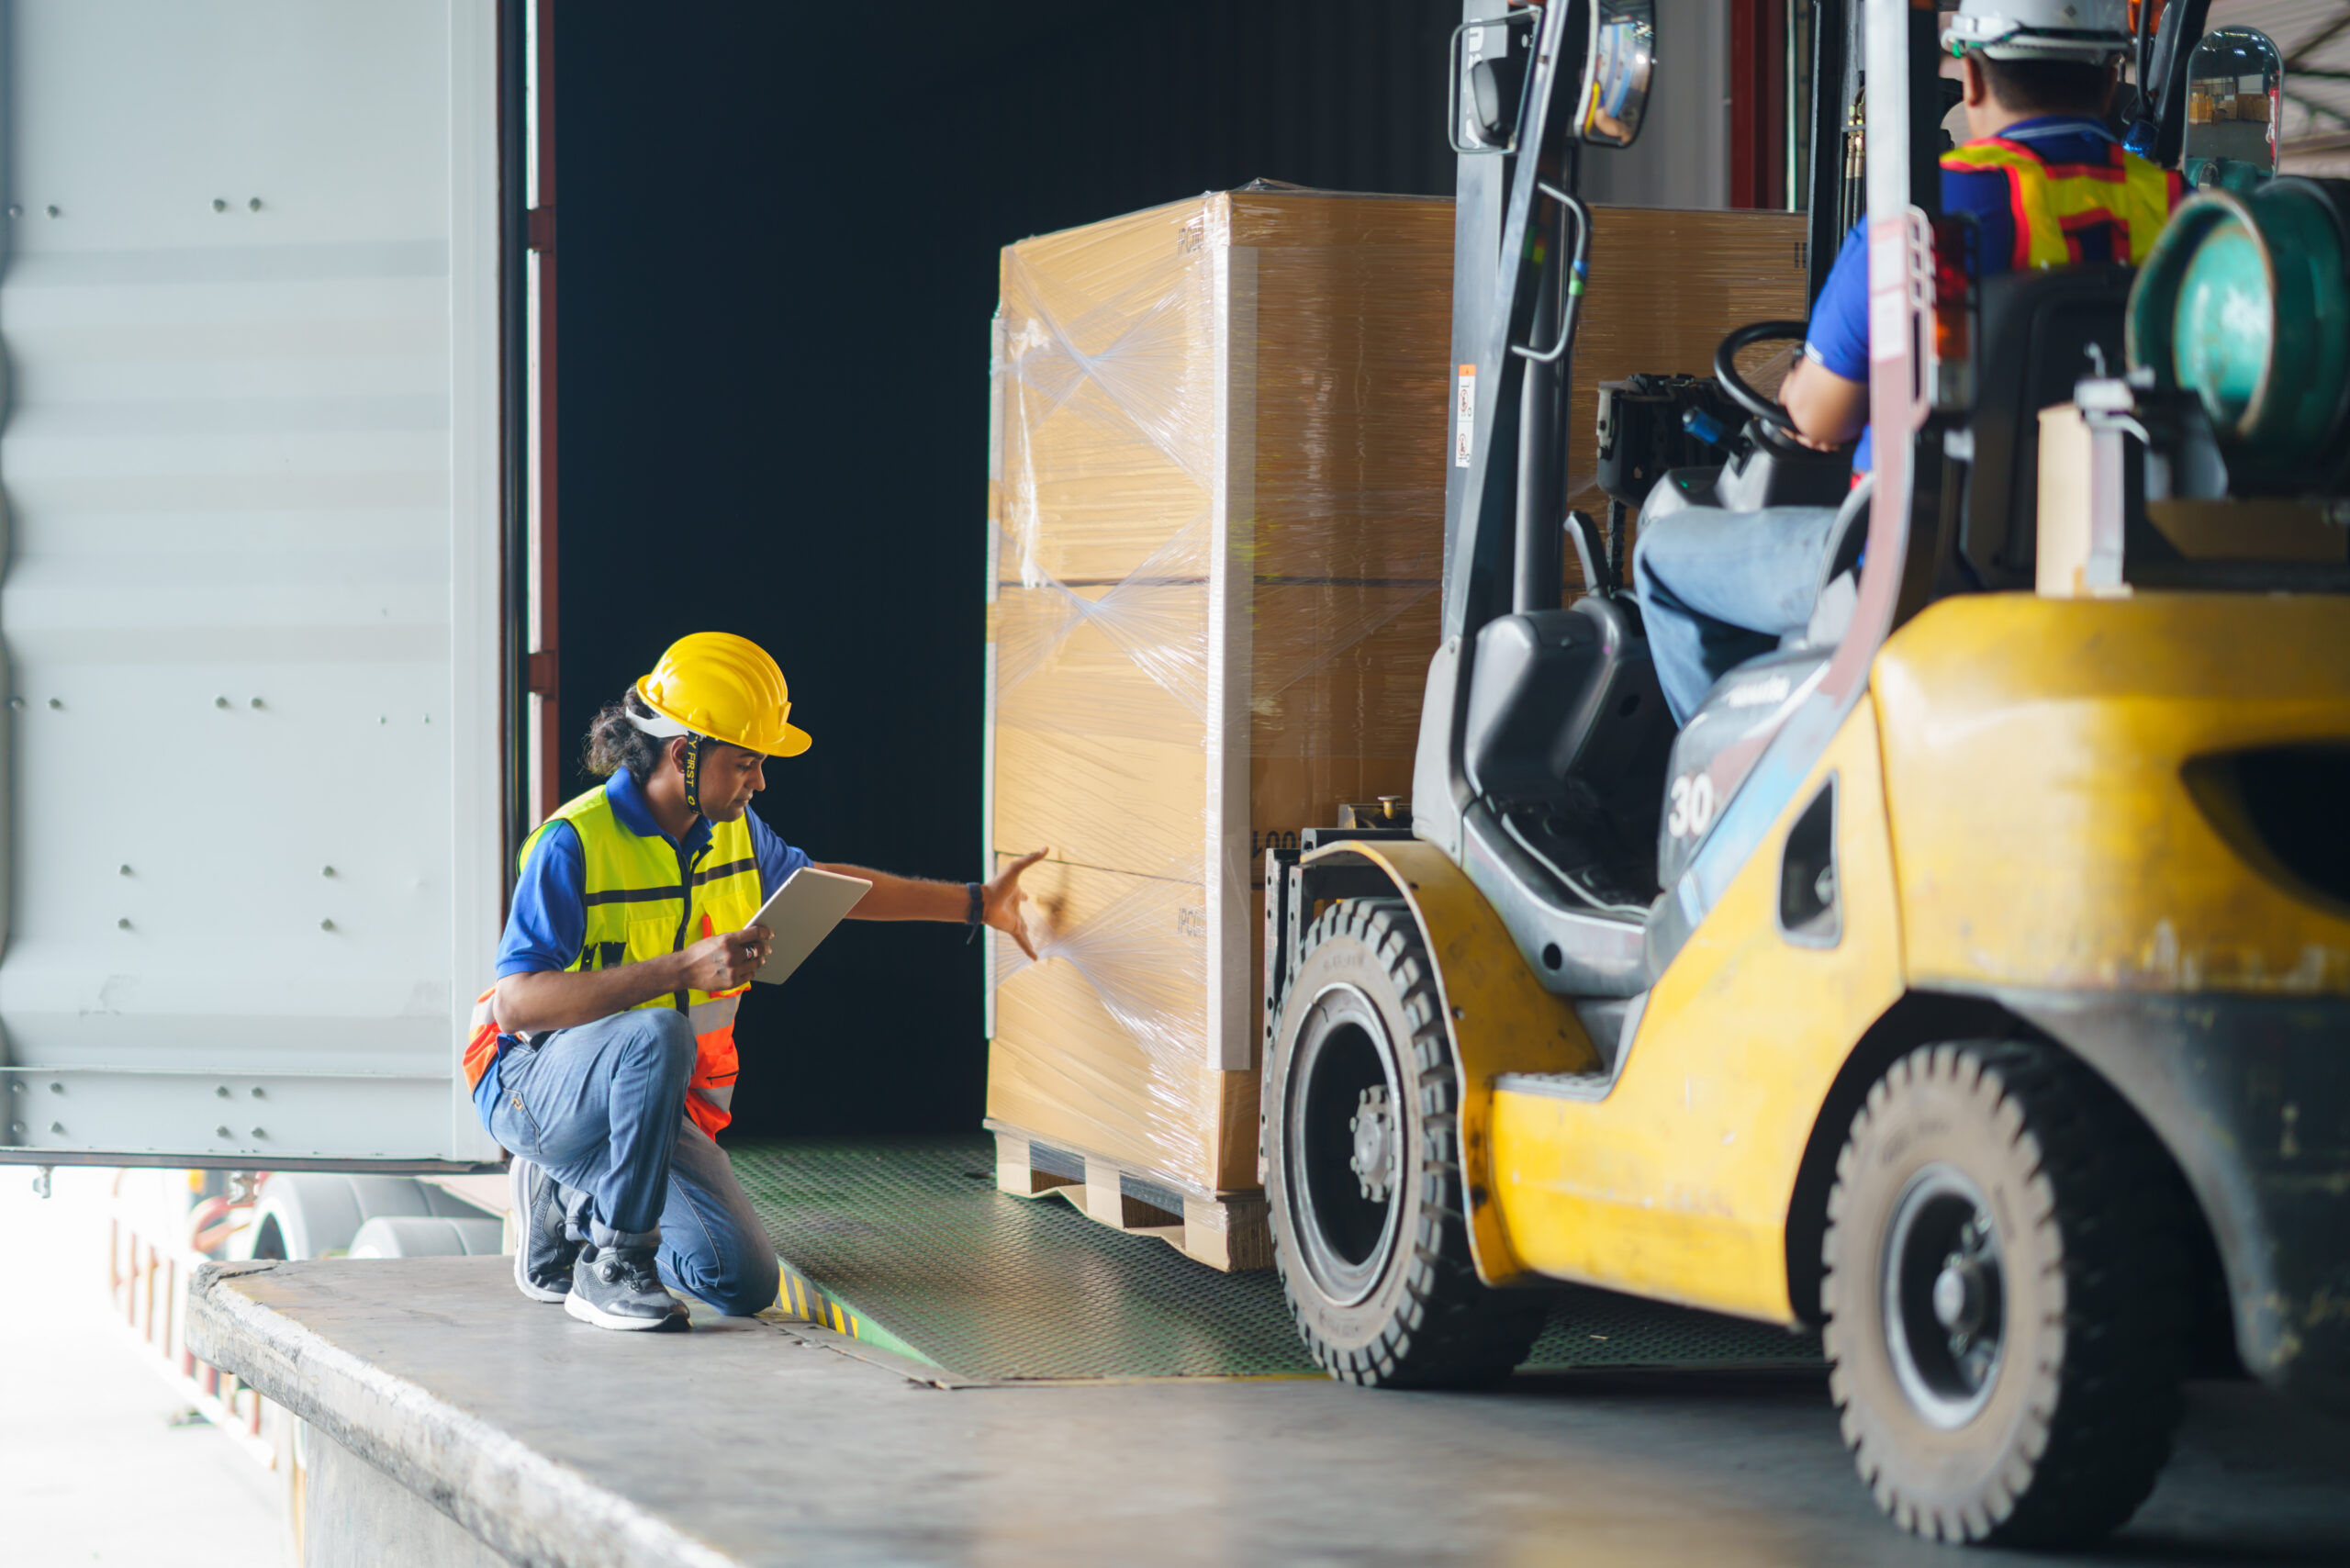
<point x="913" y="898"/>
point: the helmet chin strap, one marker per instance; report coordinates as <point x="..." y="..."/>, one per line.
<point x="693" y="774"/>
<point x="663" y="729"/>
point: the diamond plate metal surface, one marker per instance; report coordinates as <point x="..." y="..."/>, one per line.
<point x="911" y="1238"/>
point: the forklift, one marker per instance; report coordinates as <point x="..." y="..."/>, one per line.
<point x="1969" y="980"/>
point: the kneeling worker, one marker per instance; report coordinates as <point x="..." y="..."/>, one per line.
<point x="2048" y="185"/>
<point x="604" y="1058"/>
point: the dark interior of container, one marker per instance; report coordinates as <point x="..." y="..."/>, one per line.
<point x="778" y="230"/>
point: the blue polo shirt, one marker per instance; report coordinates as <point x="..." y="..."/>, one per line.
<point x="1838" y="335"/>
<point x="548" y="919"/>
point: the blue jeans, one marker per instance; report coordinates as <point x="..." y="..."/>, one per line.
<point x="1719" y="587"/>
<point x="601" y="1109"/>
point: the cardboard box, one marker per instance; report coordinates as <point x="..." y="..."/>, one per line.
<point x="1665" y="288"/>
<point x="1216" y="508"/>
<point x="1095" y="1050"/>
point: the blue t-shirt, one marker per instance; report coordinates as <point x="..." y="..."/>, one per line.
<point x="1838" y="338"/>
<point x="548" y="919"/>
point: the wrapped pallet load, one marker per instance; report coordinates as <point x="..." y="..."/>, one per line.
<point x="1216" y="530"/>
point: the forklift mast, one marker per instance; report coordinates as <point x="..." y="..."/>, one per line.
<point x="1521" y="237"/>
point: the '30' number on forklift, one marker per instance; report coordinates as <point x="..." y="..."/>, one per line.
<point x="1692" y="801"/>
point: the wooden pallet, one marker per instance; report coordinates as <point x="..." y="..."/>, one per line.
<point x="1231" y="1231"/>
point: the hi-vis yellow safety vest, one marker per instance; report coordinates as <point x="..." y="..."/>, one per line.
<point x="2055" y="204"/>
<point x="644" y="901"/>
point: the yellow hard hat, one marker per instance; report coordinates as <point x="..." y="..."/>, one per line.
<point x="725" y="687"/>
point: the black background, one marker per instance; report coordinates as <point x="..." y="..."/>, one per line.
<point x="779" y="236"/>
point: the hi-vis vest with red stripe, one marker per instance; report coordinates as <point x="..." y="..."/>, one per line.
<point x="644" y="901"/>
<point x="2055" y="204"/>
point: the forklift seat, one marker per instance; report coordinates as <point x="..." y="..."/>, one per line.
<point x="2036" y="332"/>
<point x="1564" y="706"/>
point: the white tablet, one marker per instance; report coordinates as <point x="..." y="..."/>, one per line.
<point x="802" y="914"/>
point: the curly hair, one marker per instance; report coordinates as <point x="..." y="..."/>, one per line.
<point x="613" y="743"/>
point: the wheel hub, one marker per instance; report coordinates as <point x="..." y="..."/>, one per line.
<point x="1342" y="1145"/>
<point x="1958" y="1298"/>
<point x="1373" y="1126"/>
<point x="1944" y="1296"/>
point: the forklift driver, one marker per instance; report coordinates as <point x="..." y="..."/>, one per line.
<point x="604" y="1057"/>
<point x="2048" y="185"/>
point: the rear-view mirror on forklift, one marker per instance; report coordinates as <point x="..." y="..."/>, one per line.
<point x="1615" y="71"/>
<point x="2235" y="84"/>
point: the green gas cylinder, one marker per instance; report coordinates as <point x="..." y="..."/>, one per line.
<point x="2245" y="302"/>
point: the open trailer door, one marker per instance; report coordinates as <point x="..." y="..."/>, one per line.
<point x="257" y="783"/>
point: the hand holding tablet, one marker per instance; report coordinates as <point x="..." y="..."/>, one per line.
<point x="802" y="914"/>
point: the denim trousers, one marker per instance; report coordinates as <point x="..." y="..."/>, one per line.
<point x="1719" y="587"/>
<point x="601" y="1109"/>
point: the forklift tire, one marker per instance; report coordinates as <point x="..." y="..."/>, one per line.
<point x="1360" y="1137"/>
<point x="2007" y="1297"/>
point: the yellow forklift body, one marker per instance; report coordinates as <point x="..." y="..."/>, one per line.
<point x="2063" y="814"/>
<point x="1676" y="1185"/>
<point x="2036" y="798"/>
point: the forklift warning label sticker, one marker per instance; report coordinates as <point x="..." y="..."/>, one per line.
<point x="1464" y="415"/>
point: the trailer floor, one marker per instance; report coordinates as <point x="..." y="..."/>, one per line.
<point x="454" y="1423"/>
<point x="908" y="1245"/>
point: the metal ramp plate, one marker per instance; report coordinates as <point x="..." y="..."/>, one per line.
<point x="907" y="1244"/>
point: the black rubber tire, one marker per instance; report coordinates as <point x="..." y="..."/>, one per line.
<point x="1427" y="1321"/>
<point x="2077" y="1417"/>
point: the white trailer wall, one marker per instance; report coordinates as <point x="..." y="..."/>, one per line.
<point x="251" y="605"/>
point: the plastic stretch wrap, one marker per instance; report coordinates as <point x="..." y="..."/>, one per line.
<point x="1216" y="535"/>
<point x="1216" y="542"/>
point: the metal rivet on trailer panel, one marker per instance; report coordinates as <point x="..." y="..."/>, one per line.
<point x="16" y="702"/>
<point x="57" y="1089"/>
<point x="257" y="1094"/>
<point x="123" y="870"/>
<point x="223" y="1091"/>
<point x="222" y="1132"/>
<point x="15" y="212"/>
<point x="53" y="210"/>
<point x="219" y="205"/>
<point x="56" y="702"/>
<point x="326" y="871"/>
<point x="385" y="719"/>
<point x="256" y="703"/>
<point x="123" y="924"/>
<point x="254" y="205"/>
<point x="326" y="925"/>
<point x="16" y="1129"/>
<point x="57" y="1127"/>
<point x="258" y="1133"/>
<point x="219" y="703"/>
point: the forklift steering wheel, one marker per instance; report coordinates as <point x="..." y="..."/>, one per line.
<point x="1773" y="414"/>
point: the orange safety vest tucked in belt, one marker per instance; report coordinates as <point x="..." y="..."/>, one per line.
<point x="2055" y="204"/>
<point x="643" y="900"/>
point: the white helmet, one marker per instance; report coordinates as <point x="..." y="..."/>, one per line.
<point x="2093" y="30"/>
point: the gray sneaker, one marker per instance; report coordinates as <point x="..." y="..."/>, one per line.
<point x="544" y="1251"/>
<point x="618" y="1287"/>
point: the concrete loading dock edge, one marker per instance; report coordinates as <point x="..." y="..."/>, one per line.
<point x="434" y="1400"/>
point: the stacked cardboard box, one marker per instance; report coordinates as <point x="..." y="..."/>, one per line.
<point x="1665" y="287"/>
<point x="1216" y="528"/>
